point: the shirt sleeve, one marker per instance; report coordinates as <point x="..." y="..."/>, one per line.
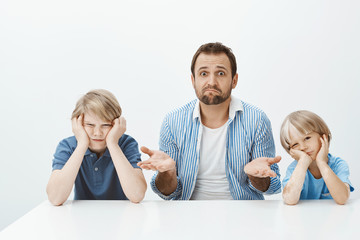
<point x="341" y="169"/>
<point x="130" y="148"/>
<point x="62" y="154"/>
<point x="173" y="196"/>
<point x="167" y="145"/>
<point x="264" y="147"/>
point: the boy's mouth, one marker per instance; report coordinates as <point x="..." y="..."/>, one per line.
<point x="98" y="140"/>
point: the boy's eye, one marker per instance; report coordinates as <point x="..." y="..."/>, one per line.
<point x="89" y="125"/>
<point x="294" y="145"/>
<point x="307" y="138"/>
<point x="107" y="125"/>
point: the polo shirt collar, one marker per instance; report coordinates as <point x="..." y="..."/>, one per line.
<point x="106" y="153"/>
<point x="235" y="106"/>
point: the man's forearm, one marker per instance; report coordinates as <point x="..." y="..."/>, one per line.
<point x="261" y="184"/>
<point x="166" y="182"/>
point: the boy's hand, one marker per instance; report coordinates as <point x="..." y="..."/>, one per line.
<point x="158" y="161"/>
<point x="322" y="156"/>
<point x="117" y="130"/>
<point x="78" y="129"/>
<point x="260" y="167"/>
<point x="300" y="156"/>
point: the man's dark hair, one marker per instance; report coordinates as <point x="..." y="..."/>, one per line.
<point x="215" y="48"/>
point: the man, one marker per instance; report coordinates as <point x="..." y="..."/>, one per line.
<point x="216" y="147"/>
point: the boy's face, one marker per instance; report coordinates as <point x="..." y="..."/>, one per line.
<point x="97" y="130"/>
<point x="308" y="143"/>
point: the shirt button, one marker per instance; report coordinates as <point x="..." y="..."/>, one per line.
<point x="96" y="169"/>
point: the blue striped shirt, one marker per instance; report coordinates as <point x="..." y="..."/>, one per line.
<point x="249" y="136"/>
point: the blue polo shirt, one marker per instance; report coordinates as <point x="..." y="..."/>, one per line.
<point x="97" y="178"/>
<point x="316" y="188"/>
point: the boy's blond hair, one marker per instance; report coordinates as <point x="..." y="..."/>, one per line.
<point x="305" y="122"/>
<point x="99" y="101"/>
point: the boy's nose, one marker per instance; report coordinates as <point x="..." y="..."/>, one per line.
<point x="97" y="131"/>
<point x="303" y="147"/>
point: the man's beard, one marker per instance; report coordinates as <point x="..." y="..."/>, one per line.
<point x="214" y="99"/>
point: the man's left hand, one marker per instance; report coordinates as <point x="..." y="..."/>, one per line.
<point x="260" y="167"/>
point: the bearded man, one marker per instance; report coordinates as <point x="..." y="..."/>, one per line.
<point x="217" y="146"/>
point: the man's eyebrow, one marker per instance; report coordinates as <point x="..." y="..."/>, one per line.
<point x="201" y="68"/>
<point x="221" y="67"/>
<point x="218" y="66"/>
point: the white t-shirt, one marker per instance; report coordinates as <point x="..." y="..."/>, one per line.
<point x="211" y="182"/>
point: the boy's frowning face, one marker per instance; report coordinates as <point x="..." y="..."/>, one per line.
<point x="97" y="130"/>
<point x="308" y="143"/>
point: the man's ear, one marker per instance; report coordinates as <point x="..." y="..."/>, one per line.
<point x="193" y="80"/>
<point x="235" y="81"/>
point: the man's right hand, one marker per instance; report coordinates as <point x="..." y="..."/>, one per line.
<point x="158" y="161"/>
<point x="78" y="129"/>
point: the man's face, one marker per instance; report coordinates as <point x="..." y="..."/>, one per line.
<point x="213" y="82"/>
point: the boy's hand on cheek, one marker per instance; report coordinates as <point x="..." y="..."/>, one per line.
<point x="116" y="131"/>
<point x="322" y="155"/>
<point x="300" y="156"/>
<point x="78" y="129"/>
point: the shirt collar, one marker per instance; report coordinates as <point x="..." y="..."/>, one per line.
<point x="235" y="106"/>
<point x="106" y="153"/>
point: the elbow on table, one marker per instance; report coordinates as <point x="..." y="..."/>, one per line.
<point x="137" y="199"/>
<point x="341" y="201"/>
<point x="139" y="196"/>
<point x="289" y="200"/>
<point x="55" y="201"/>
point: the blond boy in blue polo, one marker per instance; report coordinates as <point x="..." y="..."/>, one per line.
<point x="100" y="160"/>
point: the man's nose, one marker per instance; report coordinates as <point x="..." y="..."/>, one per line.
<point x="212" y="79"/>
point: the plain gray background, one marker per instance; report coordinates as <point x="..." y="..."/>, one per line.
<point x="291" y="55"/>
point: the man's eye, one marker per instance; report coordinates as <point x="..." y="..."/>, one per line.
<point x="221" y="73"/>
<point x="203" y="74"/>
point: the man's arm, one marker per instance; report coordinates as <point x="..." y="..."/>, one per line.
<point x="166" y="182"/>
<point x="262" y="170"/>
<point x="166" y="179"/>
<point x="259" y="172"/>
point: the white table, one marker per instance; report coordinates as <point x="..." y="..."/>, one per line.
<point x="271" y="219"/>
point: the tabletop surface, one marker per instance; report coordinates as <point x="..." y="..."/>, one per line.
<point x="269" y="219"/>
